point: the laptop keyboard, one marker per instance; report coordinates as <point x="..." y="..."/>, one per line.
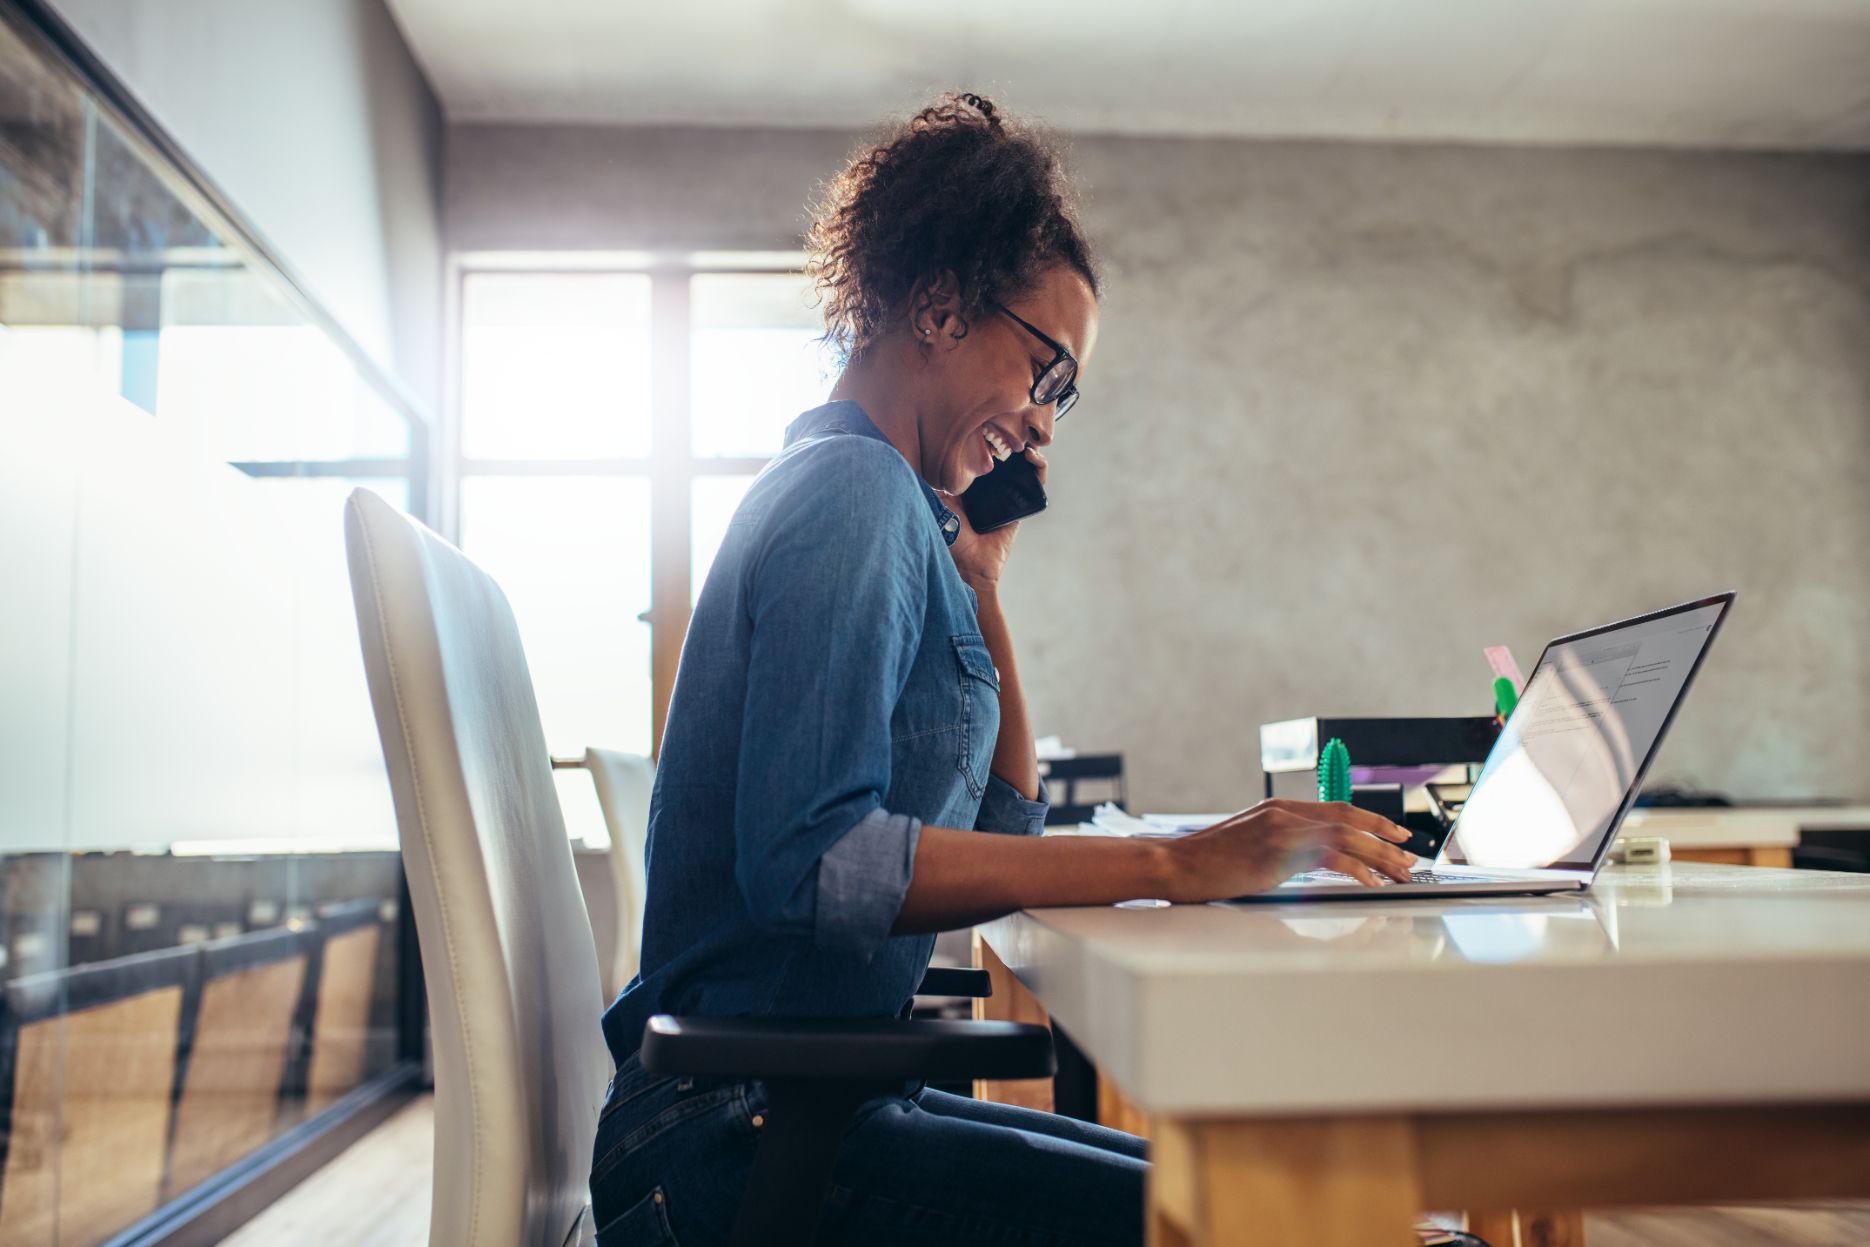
<point x="1415" y="876"/>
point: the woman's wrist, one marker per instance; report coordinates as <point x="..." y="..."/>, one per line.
<point x="1162" y="869"/>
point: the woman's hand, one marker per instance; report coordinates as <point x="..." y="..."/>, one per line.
<point x="1259" y="848"/>
<point x="965" y="877"/>
<point x="980" y="557"/>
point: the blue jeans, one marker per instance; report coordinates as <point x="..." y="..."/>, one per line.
<point x="919" y="1168"/>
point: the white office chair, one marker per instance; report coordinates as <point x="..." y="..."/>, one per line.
<point x="623" y="783"/>
<point x="520" y="1063"/>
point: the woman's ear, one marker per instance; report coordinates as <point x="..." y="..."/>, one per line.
<point x="935" y="311"/>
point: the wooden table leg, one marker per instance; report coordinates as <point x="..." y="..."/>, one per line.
<point x="1495" y="1228"/>
<point x="1524" y="1228"/>
<point x="1115" y="1110"/>
<point x="1010" y="1002"/>
<point x="1333" y="1182"/>
<point x="1163" y="1232"/>
<point x="1563" y="1228"/>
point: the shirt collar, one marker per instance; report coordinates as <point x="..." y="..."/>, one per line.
<point x="845" y="416"/>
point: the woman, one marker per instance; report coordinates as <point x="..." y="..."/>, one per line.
<point x="848" y="766"/>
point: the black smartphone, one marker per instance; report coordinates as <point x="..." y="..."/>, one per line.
<point x="1010" y="492"/>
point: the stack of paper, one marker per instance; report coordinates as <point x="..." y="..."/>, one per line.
<point x="1113" y="821"/>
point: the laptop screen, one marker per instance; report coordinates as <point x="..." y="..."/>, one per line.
<point x="1558" y="779"/>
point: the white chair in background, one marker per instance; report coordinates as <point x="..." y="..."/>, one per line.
<point x="520" y="1062"/>
<point x="623" y="782"/>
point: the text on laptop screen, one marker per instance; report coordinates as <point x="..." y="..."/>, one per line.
<point x="1585" y="726"/>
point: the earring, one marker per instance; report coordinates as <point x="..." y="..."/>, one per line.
<point x="927" y="332"/>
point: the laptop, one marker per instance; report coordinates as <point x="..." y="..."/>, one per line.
<point x="1567" y="767"/>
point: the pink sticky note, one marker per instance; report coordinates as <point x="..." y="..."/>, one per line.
<point x="1500" y="658"/>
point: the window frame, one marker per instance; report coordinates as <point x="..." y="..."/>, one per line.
<point x="672" y="467"/>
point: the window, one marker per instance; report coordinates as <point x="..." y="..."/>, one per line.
<point x="609" y="418"/>
<point x="754" y="362"/>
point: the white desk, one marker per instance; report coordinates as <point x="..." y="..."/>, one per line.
<point x="1485" y="1053"/>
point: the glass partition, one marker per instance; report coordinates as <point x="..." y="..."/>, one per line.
<point x="199" y="882"/>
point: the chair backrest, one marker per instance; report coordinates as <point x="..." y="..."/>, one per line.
<point x="520" y="1063"/>
<point x="623" y="783"/>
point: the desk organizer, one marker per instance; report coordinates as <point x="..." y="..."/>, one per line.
<point x="1292" y="746"/>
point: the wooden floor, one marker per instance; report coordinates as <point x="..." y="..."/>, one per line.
<point x="377" y="1195"/>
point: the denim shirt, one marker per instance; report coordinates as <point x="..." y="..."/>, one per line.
<point x="834" y="695"/>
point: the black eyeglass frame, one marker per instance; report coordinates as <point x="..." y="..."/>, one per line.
<point x="1067" y="397"/>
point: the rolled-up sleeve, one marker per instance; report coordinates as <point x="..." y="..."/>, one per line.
<point x="837" y="597"/>
<point x="862" y="879"/>
<point x="1002" y="809"/>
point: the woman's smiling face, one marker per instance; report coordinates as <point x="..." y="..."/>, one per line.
<point x="978" y="404"/>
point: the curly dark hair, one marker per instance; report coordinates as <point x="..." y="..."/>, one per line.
<point x="955" y="189"/>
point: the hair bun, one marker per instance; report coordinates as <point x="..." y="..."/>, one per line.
<point x="980" y="105"/>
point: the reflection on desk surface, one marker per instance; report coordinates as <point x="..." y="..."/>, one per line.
<point x="1497" y="937"/>
<point x="1674" y="912"/>
<point x="1484" y="932"/>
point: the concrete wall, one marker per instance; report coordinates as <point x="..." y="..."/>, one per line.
<point x="1359" y="411"/>
<point x="581" y="187"/>
<point x="319" y="126"/>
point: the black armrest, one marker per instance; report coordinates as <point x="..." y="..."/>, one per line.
<point x="816" y="1074"/>
<point x="845" y="1049"/>
<point x="956" y="981"/>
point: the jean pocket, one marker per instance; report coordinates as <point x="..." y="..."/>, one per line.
<point x="656" y="1121"/>
<point x="980" y="710"/>
<point x="632" y="1085"/>
<point x="644" y="1224"/>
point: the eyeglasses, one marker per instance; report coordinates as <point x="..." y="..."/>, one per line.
<point x="1057" y="382"/>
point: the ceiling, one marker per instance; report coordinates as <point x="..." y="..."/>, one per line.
<point x="1697" y="73"/>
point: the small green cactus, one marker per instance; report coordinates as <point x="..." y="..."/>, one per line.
<point x="1334" y="772"/>
<point x="1505" y="697"/>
